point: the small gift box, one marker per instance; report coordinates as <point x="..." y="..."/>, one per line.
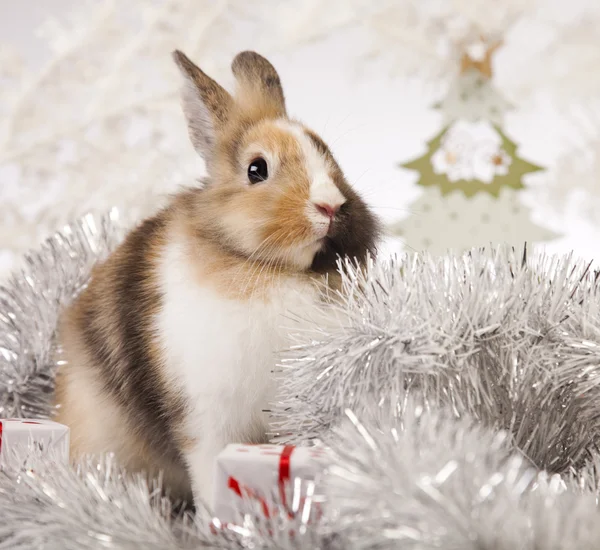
<point x="261" y="471"/>
<point x="17" y="435"/>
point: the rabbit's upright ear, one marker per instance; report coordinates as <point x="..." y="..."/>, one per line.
<point x="206" y="105"/>
<point x="259" y="87"/>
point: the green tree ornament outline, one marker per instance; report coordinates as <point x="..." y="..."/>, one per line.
<point x="517" y="169"/>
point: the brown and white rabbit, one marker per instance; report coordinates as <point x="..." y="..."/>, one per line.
<point x="169" y="352"/>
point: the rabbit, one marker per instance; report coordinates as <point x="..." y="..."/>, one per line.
<point x="168" y="353"/>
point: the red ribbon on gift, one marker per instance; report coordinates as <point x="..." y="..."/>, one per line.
<point x="243" y="490"/>
<point x="284" y="473"/>
<point x="283" y="478"/>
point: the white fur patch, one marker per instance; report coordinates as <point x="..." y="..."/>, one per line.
<point x="221" y="353"/>
<point x="322" y="188"/>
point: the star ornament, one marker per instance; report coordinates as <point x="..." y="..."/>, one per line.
<point x="478" y="56"/>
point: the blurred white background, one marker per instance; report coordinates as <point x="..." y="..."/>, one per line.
<point x="90" y="117"/>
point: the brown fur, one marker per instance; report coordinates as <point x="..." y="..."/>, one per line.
<point x="114" y="390"/>
<point x="231" y="274"/>
<point x="214" y="96"/>
<point x="260" y="93"/>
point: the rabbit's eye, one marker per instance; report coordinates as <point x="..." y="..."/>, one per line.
<point x="257" y="170"/>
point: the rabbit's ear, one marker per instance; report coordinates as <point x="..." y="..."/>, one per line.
<point x="259" y="86"/>
<point x="206" y="106"/>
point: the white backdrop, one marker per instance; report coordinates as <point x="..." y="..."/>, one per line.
<point x="372" y="118"/>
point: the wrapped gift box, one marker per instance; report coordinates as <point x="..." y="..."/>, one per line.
<point x="261" y="472"/>
<point x="18" y="435"/>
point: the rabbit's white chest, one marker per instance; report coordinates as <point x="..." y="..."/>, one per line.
<point x="222" y="351"/>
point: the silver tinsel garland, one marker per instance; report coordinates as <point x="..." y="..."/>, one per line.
<point x="30" y="305"/>
<point x="422" y="480"/>
<point x="510" y="341"/>
<point x="460" y="397"/>
<point x="50" y="505"/>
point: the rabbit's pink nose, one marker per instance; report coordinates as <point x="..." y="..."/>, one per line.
<point x="328" y="210"/>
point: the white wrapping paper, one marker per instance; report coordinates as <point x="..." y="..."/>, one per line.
<point x="261" y="472"/>
<point x="18" y="435"/>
